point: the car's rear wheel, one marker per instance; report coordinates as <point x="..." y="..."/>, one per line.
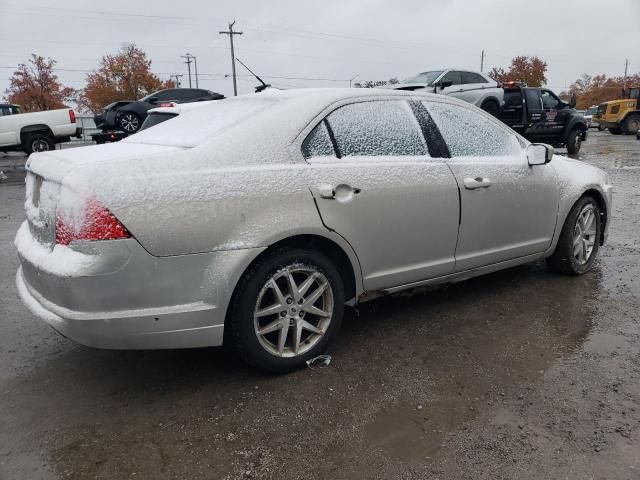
<point x="38" y="142"/>
<point x="615" y="130"/>
<point x="631" y="124"/>
<point x="491" y="107"/>
<point x="579" y="240"/>
<point x="129" y="122"/>
<point x="286" y="309"/>
<point x="574" y="141"/>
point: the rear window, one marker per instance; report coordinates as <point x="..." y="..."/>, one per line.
<point x="156" y="118"/>
<point x="200" y="125"/>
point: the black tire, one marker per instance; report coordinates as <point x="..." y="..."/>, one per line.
<point x="574" y="141"/>
<point x="37" y="142"/>
<point x="563" y="259"/>
<point x="601" y="128"/>
<point x="615" y="130"/>
<point x="491" y="107"/>
<point x="129" y="122"/>
<point x="240" y="321"/>
<point x="631" y="124"/>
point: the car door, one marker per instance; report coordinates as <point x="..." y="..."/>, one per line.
<point x="471" y="87"/>
<point x="552" y="105"/>
<point x="508" y="208"/>
<point x="376" y="185"/>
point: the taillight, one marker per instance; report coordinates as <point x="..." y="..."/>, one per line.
<point x="93" y="222"/>
<point x="72" y="116"/>
<point x="169" y="104"/>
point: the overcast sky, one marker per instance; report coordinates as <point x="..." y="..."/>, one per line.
<point x="324" y="43"/>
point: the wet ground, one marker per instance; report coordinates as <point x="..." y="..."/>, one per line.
<point x="519" y="374"/>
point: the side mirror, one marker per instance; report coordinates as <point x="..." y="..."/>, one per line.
<point x="539" y="153"/>
<point x="573" y="101"/>
<point x="445" y="84"/>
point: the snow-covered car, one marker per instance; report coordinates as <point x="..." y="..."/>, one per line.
<point x="158" y="115"/>
<point x="473" y="87"/>
<point x="35" y="131"/>
<point x="255" y="220"/>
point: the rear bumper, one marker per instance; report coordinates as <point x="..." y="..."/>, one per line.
<point x="114" y="294"/>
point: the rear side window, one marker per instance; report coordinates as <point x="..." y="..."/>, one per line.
<point x="469" y="134"/>
<point x="381" y="128"/>
<point x="471" y="77"/>
<point x="318" y="142"/>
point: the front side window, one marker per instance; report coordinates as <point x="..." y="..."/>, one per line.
<point x="375" y="129"/>
<point x="453" y="77"/>
<point x="470" y="134"/>
<point x="549" y="100"/>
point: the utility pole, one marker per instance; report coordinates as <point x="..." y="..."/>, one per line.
<point x="626" y="67"/>
<point x="231" y="33"/>
<point x="188" y="58"/>
<point x="177" y="77"/>
<point x="195" y="64"/>
<point x="482" y="60"/>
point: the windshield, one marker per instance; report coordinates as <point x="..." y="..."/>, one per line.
<point x="424" y="77"/>
<point x="200" y="125"/>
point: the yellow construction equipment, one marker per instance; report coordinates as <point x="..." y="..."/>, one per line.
<point x="621" y="116"/>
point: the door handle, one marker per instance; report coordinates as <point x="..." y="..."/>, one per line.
<point x="342" y="192"/>
<point x="478" y="182"/>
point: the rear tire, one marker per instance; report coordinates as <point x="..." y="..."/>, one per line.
<point x="37" y="142"/>
<point x="574" y="141"/>
<point x="579" y="240"/>
<point x="631" y="124"/>
<point x="266" y="306"/>
<point x="491" y="107"/>
<point x="615" y="130"/>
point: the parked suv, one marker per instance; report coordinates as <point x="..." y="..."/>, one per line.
<point x="128" y="115"/>
<point x="472" y="87"/>
<point x="540" y="116"/>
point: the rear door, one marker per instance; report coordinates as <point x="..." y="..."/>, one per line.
<point x="376" y="185"/>
<point x="508" y="208"/>
<point x="471" y="87"/>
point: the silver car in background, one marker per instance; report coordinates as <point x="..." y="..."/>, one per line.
<point x="255" y="220"/>
<point x="473" y="87"/>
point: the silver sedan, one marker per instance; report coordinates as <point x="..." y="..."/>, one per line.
<point x="255" y="220"/>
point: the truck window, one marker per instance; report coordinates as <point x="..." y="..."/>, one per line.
<point x="533" y="99"/>
<point x="549" y="100"/>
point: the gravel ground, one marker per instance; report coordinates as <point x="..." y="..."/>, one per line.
<point x="519" y="374"/>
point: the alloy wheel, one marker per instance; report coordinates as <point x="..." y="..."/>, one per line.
<point x="40" y="145"/>
<point x="293" y="310"/>
<point x="130" y="122"/>
<point x="584" y="235"/>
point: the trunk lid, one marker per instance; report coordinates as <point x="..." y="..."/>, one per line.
<point x="45" y="180"/>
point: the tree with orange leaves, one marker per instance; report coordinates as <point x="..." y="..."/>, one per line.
<point x="593" y="90"/>
<point x="124" y="76"/>
<point x="529" y="70"/>
<point x="35" y="87"/>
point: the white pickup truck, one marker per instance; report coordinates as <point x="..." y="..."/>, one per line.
<point x="37" y="131"/>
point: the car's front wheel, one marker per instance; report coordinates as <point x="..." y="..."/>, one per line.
<point x="579" y="240"/>
<point x="129" y="122"/>
<point x="286" y="309"/>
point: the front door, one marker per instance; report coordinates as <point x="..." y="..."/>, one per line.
<point x="377" y="187"/>
<point x="508" y="208"/>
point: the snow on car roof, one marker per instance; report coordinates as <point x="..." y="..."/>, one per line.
<point x="287" y="109"/>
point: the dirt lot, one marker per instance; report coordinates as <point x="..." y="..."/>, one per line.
<point x="520" y="374"/>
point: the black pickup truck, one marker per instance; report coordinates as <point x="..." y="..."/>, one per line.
<point x="540" y="116"/>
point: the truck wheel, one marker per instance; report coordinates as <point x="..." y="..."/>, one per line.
<point x="491" y="107"/>
<point x="574" y="141"/>
<point x="631" y="125"/>
<point x="37" y="142"/>
<point x="601" y="128"/>
<point x="615" y="130"/>
<point x="129" y="122"/>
